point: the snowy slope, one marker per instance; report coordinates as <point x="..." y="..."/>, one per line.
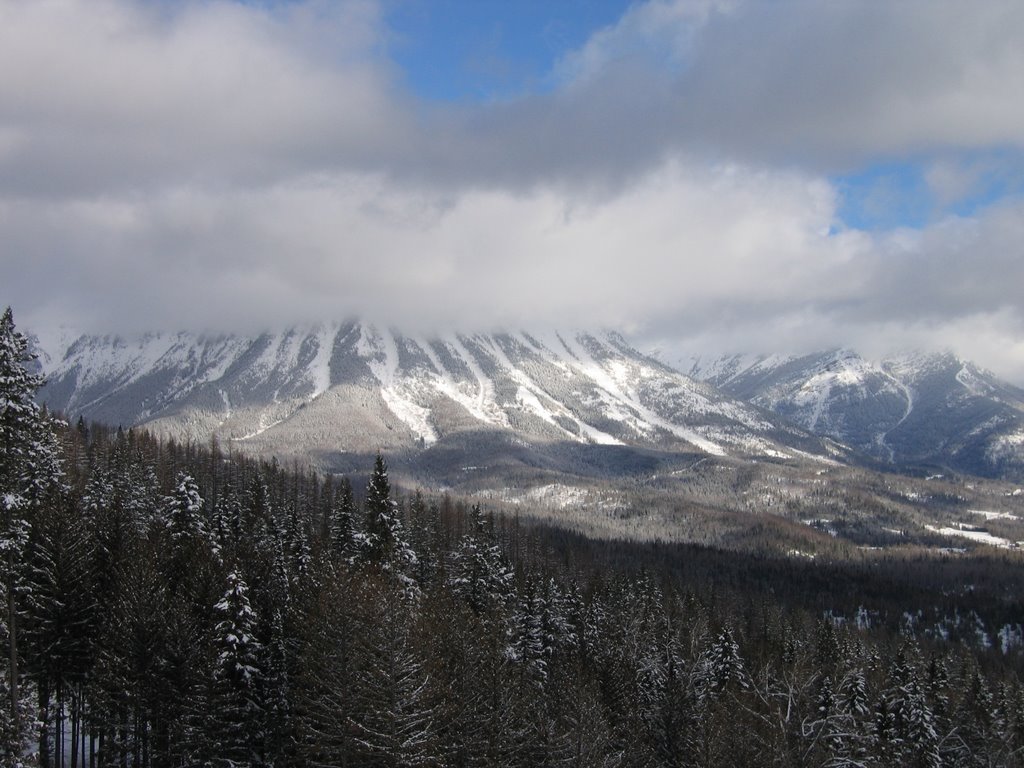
<point x="909" y="409"/>
<point x="358" y="387"/>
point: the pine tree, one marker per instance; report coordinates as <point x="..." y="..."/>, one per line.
<point x="183" y="511"/>
<point x="225" y="521"/>
<point x="324" y="704"/>
<point x="29" y="469"/>
<point x="664" y="701"/>
<point x="126" y="684"/>
<point x="480" y="575"/>
<point x="393" y="709"/>
<point x="296" y="542"/>
<point x="258" y="513"/>
<point x="724" y="664"/>
<point x="343" y="513"/>
<point x="383" y="542"/>
<point x="277" y="694"/>
<point x="423" y="524"/>
<point x="60" y="615"/>
<point x="237" y="679"/>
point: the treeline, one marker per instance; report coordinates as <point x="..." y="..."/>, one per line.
<point x="171" y="605"/>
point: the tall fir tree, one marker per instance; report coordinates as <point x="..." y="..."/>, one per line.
<point x="184" y="510"/>
<point x="60" y="617"/>
<point x="383" y="541"/>
<point x="29" y="469"/>
<point x="479" y="574"/>
<point x="343" y="514"/>
<point x="238" y="677"/>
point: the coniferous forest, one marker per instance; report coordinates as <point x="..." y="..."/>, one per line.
<point x="176" y="605"/>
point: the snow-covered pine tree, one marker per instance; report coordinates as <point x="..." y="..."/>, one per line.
<point x="383" y="542"/>
<point x="258" y="513"/>
<point x="724" y="664"/>
<point x="394" y="700"/>
<point x="665" y="704"/>
<point x="480" y="575"/>
<point x="528" y="645"/>
<point x="183" y="511"/>
<point x="423" y="525"/>
<point x="237" y="679"/>
<point x="29" y="469"/>
<point x="343" y="514"/>
<point x="297" y="541"/>
<point x="136" y="488"/>
<point x="224" y="518"/>
<point x="127" y="682"/>
<point x="325" y="681"/>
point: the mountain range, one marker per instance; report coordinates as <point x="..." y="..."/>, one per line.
<point x="926" y="411"/>
<point x="580" y="402"/>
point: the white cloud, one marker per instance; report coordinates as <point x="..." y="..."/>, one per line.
<point x="227" y="165"/>
<point x="686" y="233"/>
<point x="831" y="83"/>
<point x="111" y="94"/>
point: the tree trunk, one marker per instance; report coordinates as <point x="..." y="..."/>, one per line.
<point x="74" y="731"/>
<point x="145" y="741"/>
<point x="12" y="633"/>
<point x="44" y="725"/>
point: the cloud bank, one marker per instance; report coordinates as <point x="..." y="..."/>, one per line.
<point x="227" y="166"/>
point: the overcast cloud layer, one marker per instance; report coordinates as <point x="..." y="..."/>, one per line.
<point x="221" y="166"/>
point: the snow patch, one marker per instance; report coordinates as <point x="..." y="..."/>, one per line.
<point x="981" y="537"/>
<point x="264" y="425"/>
<point x="586" y="363"/>
<point x="227" y="406"/>
<point x="486" y="408"/>
<point x="380" y="350"/>
<point x="993" y="515"/>
<point x="319" y="370"/>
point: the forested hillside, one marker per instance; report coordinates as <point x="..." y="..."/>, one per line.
<point x="172" y="605"/>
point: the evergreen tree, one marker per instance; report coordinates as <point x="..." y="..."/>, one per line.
<point x="383" y="540"/>
<point x="277" y="695"/>
<point x="480" y="575"/>
<point x="127" y="682"/>
<point x="664" y="700"/>
<point x="296" y="542"/>
<point x="60" y="617"/>
<point x="324" y="704"/>
<point x="424" y="525"/>
<point x="225" y="519"/>
<point x="29" y="469"/>
<point x="725" y="665"/>
<point x="394" y="704"/>
<point x="343" y="515"/>
<point x="183" y="511"/>
<point x="237" y="679"/>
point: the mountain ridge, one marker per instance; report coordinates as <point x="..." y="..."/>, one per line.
<point x="910" y="409"/>
<point x="353" y="387"/>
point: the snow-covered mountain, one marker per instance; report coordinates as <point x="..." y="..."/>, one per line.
<point x="926" y="409"/>
<point x="353" y="388"/>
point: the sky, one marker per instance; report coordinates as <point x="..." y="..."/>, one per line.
<point x="705" y="176"/>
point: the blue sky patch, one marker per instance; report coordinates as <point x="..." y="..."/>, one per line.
<point x="918" y="192"/>
<point x="482" y="50"/>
